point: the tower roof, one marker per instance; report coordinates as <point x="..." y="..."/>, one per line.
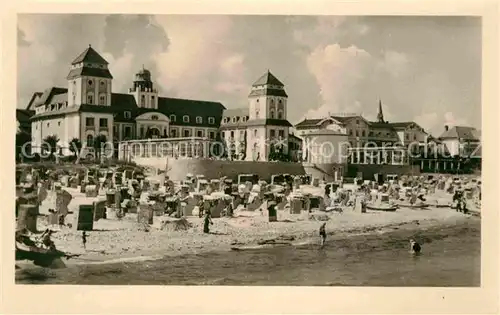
<point x="268" y="78"/>
<point x="90" y="55"/>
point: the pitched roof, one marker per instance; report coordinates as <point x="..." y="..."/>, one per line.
<point x="381" y="125"/>
<point x="87" y="71"/>
<point x="24" y="115"/>
<point x="168" y="106"/>
<point x="236" y="112"/>
<point x="48" y="94"/>
<point x="89" y="55"/>
<point x="326" y="132"/>
<point x="308" y="123"/>
<point x="264" y="92"/>
<point x="461" y="132"/>
<point x="268" y="79"/>
<point x="34" y="98"/>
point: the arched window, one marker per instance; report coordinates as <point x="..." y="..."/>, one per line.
<point x="280" y="114"/>
<point x="272" y="104"/>
<point x="185" y="118"/>
<point x="280" y="105"/>
<point x="172" y="118"/>
<point x="102" y="99"/>
<point x="271" y="114"/>
<point x="90" y="98"/>
<point x="90" y="140"/>
<point x="199" y="120"/>
<point x="143" y="100"/>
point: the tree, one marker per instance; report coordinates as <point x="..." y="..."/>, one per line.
<point x="99" y="142"/>
<point x="50" y="144"/>
<point x="75" y="146"/>
<point x="243" y="146"/>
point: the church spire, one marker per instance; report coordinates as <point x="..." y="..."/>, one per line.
<point x="380" y="115"/>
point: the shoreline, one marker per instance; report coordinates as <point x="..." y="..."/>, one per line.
<point x="416" y="226"/>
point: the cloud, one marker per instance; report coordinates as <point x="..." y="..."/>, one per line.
<point x="337" y="71"/>
<point x="396" y="63"/>
<point x="428" y="121"/>
<point x="450" y="120"/>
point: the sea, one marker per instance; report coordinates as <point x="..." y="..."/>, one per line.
<point x="451" y="257"/>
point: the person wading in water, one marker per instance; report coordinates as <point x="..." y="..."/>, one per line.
<point x="322" y="234"/>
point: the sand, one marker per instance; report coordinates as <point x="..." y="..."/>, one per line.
<point x="116" y="240"/>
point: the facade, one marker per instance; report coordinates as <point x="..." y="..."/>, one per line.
<point x="462" y="141"/>
<point x="362" y="133"/>
<point x="251" y="133"/>
<point x="88" y="109"/>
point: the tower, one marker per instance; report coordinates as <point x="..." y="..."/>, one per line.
<point x="268" y="99"/>
<point x="144" y="93"/>
<point x="89" y="80"/>
<point x="380" y="115"/>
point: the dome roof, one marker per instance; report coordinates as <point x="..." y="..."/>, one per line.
<point x="143" y="75"/>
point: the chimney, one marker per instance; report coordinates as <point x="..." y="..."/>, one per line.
<point x="446" y="127"/>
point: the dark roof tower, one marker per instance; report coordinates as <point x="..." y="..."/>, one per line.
<point x="268" y="85"/>
<point x="380" y="115"/>
<point x="89" y="63"/>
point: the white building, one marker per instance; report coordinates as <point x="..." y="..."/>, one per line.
<point x="250" y="132"/>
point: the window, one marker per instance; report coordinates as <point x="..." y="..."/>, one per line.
<point x="173" y="133"/>
<point x="255" y="133"/>
<point x="59" y="123"/>
<point x="280" y="114"/>
<point x="102" y="99"/>
<point x="272" y="114"/>
<point x="154" y="117"/>
<point x="357" y="122"/>
<point x="350" y="132"/>
<point x="101" y="83"/>
<point x="211" y="120"/>
<point x="90" y="98"/>
<point x="281" y="133"/>
<point x="127" y="115"/>
<point x="90" y="82"/>
<point x="186" y="132"/>
<point x="272" y="133"/>
<point x="172" y="118"/>
<point x="199" y="133"/>
<point x="232" y="134"/>
<point x="199" y="119"/>
<point x="407" y="136"/>
<point x="357" y="133"/>
<point x="103" y="122"/>
<point x="90" y="140"/>
<point x="363" y="133"/>
<point x="212" y="135"/>
<point x="89" y="121"/>
<point x="48" y="124"/>
<point x="143" y="100"/>
<point x="223" y="134"/>
<point x="415" y="137"/>
<point x="235" y="119"/>
<point x="257" y="114"/>
<point x="185" y="118"/>
<point x="243" y="119"/>
<point x="152" y="99"/>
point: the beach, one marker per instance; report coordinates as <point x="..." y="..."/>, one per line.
<point x="115" y="240"/>
<point x="374" y="255"/>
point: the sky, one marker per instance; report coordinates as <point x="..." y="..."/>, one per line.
<point x="423" y="69"/>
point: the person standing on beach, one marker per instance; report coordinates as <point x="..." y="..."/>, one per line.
<point x="84" y="239"/>
<point x="207" y="223"/>
<point x="322" y="234"/>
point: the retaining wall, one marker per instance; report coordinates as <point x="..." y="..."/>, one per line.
<point x="217" y="168"/>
